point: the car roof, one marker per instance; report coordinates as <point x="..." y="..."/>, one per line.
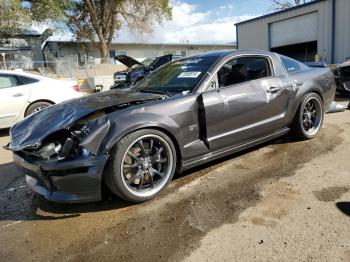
<point x="223" y="53"/>
<point x="22" y="73"/>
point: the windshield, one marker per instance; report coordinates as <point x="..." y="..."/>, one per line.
<point x="181" y="76"/>
<point x="148" y="61"/>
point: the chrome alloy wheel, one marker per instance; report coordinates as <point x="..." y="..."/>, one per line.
<point x="147" y="165"/>
<point x="38" y="109"/>
<point x="312" y="116"/>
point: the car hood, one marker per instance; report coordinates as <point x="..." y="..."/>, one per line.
<point x="30" y="132"/>
<point x="345" y="64"/>
<point x="128" y="61"/>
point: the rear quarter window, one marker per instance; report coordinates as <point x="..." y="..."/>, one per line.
<point x="291" y="65"/>
<point x="27" y="80"/>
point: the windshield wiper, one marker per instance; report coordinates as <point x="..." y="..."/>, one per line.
<point x="152" y="91"/>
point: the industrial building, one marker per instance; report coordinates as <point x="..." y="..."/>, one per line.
<point x="315" y="31"/>
<point x="83" y="52"/>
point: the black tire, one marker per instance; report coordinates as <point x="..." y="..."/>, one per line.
<point x="36" y="107"/>
<point x="298" y="127"/>
<point x="116" y="180"/>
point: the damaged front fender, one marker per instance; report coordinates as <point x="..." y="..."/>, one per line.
<point x="31" y="132"/>
<point x="98" y="129"/>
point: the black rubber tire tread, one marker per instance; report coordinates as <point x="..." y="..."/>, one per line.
<point x="297" y="127"/>
<point x="112" y="175"/>
<point x="35" y="105"/>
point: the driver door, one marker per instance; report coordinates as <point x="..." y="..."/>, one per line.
<point x="249" y="102"/>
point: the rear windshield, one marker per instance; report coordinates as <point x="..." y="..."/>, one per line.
<point x="180" y="76"/>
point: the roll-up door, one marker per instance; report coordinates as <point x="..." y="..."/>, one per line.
<point x="295" y="30"/>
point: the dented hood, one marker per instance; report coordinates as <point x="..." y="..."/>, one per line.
<point x="30" y="132"/>
<point x="128" y="61"/>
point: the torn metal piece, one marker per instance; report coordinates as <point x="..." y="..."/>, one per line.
<point x="97" y="131"/>
<point x="335" y="108"/>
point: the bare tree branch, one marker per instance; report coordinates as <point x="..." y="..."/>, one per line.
<point x="285" y="4"/>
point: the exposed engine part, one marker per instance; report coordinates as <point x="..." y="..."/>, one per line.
<point x="79" y="140"/>
<point x="50" y="150"/>
<point x="67" y="147"/>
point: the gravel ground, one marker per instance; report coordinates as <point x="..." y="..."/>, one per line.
<point x="285" y="200"/>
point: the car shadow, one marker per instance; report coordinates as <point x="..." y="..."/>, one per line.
<point x="341" y="98"/>
<point x="4" y="132"/>
<point x="19" y="203"/>
<point x="344" y="207"/>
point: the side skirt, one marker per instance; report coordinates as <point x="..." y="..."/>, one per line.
<point x="230" y="150"/>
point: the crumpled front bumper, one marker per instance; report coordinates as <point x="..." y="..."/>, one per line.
<point x="72" y="181"/>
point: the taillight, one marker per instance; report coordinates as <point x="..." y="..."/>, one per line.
<point x="76" y="88"/>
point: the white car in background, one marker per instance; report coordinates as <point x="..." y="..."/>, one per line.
<point x="22" y="94"/>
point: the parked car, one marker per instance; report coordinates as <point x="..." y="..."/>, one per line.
<point x="22" y="94"/>
<point x="183" y="114"/>
<point x="343" y="77"/>
<point x="136" y="70"/>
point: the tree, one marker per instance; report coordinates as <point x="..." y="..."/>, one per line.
<point x="14" y="18"/>
<point x="100" y="20"/>
<point x="284" y="4"/>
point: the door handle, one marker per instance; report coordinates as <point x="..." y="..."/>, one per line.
<point x="18" y="95"/>
<point x="273" y="89"/>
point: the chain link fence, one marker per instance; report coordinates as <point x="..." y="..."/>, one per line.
<point x="58" y="68"/>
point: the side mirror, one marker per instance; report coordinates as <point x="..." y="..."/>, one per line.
<point x="212" y="86"/>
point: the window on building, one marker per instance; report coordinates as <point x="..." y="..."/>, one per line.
<point x="243" y="69"/>
<point x="150" y="53"/>
<point x="121" y="52"/>
<point x="169" y="52"/>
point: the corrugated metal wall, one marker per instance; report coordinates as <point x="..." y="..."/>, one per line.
<point x="255" y="34"/>
<point x="342" y="32"/>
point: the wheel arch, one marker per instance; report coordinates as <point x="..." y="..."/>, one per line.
<point x="300" y="101"/>
<point x="38" y="101"/>
<point x="163" y="130"/>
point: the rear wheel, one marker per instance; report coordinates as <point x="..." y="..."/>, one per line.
<point x="36" y="107"/>
<point x="141" y="166"/>
<point x="309" y="118"/>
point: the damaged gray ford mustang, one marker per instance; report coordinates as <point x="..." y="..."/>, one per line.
<point x="186" y="113"/>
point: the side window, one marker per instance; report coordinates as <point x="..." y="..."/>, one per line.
<point x="27" y="80"/>
<point x="7" y="81"/>
<point x="243" y="69"/>
<point x="290" y="65"/>
<point x="161" y="61"/>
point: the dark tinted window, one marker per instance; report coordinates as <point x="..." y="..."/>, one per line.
<point x="7" y="81"/>
<point x="27" y="80"/>
<point x="177" y="76"/>
<point x="161" y="61"/>
<point x="290" y="64"/>
<point x="243" y="69"/>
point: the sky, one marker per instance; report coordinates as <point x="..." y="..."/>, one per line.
<point x="204" y="22"/>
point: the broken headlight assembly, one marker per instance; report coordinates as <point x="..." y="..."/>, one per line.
<point x="78" y="140"/>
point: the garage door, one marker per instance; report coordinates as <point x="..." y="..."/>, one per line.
<point x="295" y="30"/>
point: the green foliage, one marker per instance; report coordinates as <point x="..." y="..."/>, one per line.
<point x="13" y="19"/>
<point x="42" y="10"/>
<point x="94" y="20"/>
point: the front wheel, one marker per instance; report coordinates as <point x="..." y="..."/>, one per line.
<point x="309" y="118"/>
<point x="36" y="107"/>
<point x="142" y="164"/>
